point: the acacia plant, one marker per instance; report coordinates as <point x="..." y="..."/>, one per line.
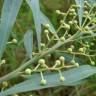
<point x="63" y="56"/>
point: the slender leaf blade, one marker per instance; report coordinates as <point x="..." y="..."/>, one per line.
<point x="35" y="7"/>
<point x="80" y="10"/>
<point x="28" y="42"/>
<point x="8" y="18"/>
<point x="33" y="83"/>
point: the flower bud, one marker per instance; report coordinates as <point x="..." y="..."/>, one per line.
<point x="70" y="22"/>
<point x="58" y="12"/>
<point x="5" y="84"/>
<point x="92" y="44"/>
<point x="62" y="78"/>
<point x="72" y="46"/>
<point x="86" y="28"/>
<point x="85" y="1"/>
<point x="41" y="61"/>
<point x="92" y="63"/>
<point x="73" y="61"/>
<point x="74" y="14"/>
<point x="58" y="62"/>
<point x="46" y="31"/>
<point x="43" y="82"/>
<point x="61" y="21"/>
<point x="76" y="6"/>
<point x="62" y="58"/>
<point x="47" y="26"/>
<point x="88" y="46"/>
<point x="72" y="10"/>
<point x="42" y="45"/>
<point x="76" y="64"/>
<point x="66" y="26"/>
<point x="86" y="13"/>
<point x="62" y="39"/>
<point x="75" y="22"/>
<point x="69" y="50"/>
<point x="81" y="49"/>
<point x="3" y="61"/>
<point x="28" y="71"/>
<point x="14" y="41"/>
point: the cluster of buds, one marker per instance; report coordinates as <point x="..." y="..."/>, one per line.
<point x="59" y="63"/>
<point x="75" y="22"/>
<point x="80" y="49"/>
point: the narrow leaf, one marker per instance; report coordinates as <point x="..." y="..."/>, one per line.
<point x="33" y="83"/>
<point x="35" y="7"/>
<point x="8" y="18"/>
<point x="39" y="19"/>
<point x="80" y="10"/>
<point x="28" y="42"/>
